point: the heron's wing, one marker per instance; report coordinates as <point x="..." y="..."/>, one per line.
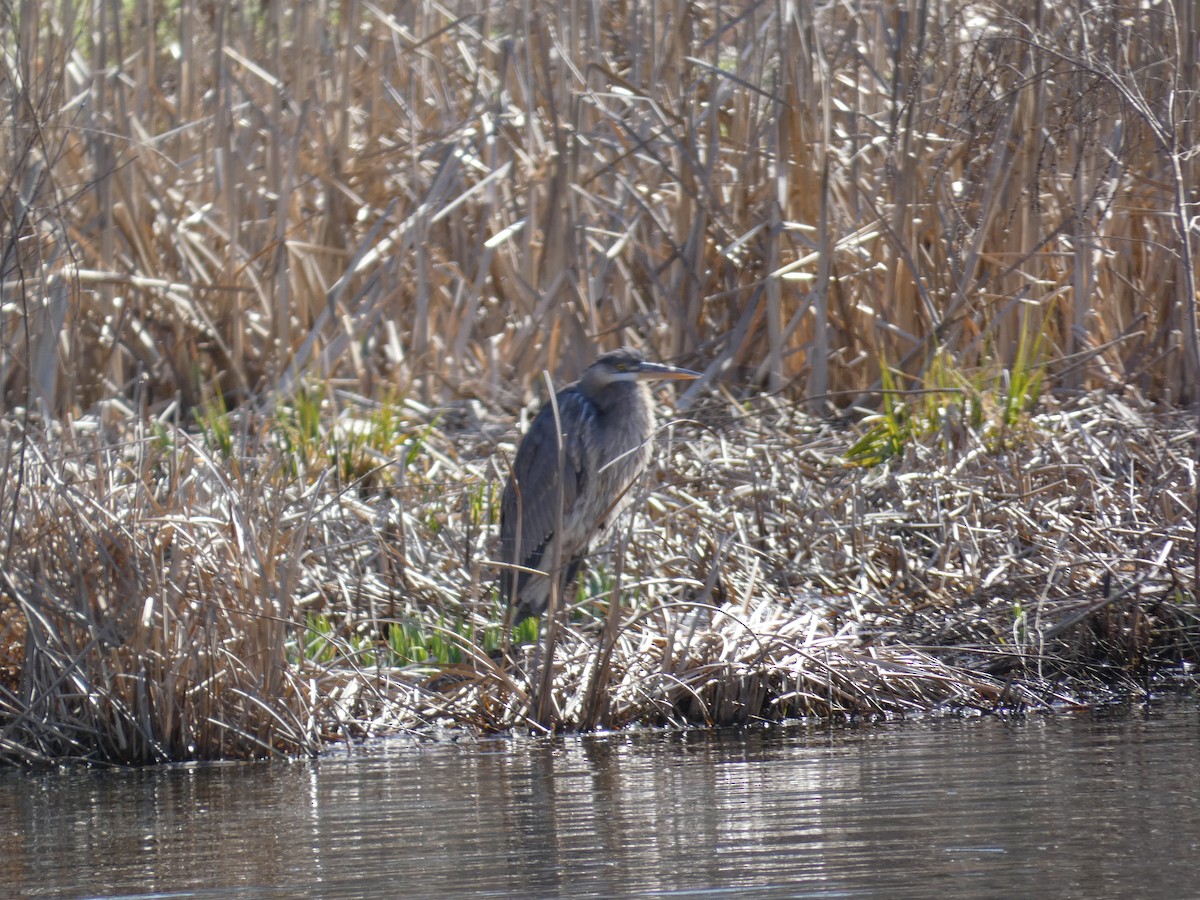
<point x="528" y="514"/>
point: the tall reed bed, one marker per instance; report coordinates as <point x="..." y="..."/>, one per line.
<point x="219" y="197"/>
<point x="275" y="280"/>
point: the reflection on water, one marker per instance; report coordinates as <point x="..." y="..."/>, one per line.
<point x="1068" y="806"/>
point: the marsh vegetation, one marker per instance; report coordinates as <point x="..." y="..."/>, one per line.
<point x="279" y="280"/>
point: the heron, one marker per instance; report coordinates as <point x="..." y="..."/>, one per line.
<point x="607" y="421"/>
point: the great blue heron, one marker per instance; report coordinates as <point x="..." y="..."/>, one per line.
<point x="607" y="420"/>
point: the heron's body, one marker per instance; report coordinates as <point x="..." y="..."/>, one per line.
<point x="607" y="420"/>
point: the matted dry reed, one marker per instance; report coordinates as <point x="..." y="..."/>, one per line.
<point x="171" y="599"/>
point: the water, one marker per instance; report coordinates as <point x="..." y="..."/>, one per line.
<point x="1070" y="806"/>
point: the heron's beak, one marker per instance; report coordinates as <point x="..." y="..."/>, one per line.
<point x="649" y="371"/>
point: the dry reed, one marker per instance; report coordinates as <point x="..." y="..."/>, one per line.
<point x="171" y="599"/>
<point x="339" y="209"/>
<point x="237" y="197"/>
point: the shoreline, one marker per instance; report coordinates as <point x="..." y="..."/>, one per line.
<point x="178" y="604"/>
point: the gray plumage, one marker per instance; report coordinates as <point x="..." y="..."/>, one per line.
<point x="607" y="419"/>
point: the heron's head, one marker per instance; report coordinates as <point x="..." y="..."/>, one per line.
<point x="629" y="365"/>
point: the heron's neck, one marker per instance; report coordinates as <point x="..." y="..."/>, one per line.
<point x="628" y="400"/>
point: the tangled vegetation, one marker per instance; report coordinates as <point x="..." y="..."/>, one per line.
<point x="277" y="281"/>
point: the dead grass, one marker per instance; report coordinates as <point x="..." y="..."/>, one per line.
<point x="171" y="599"/>
<point x="347" y="240"/>
<point x="152" y="611"/>
<point x="219" y="197"/>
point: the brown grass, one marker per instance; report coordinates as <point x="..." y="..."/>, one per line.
<point x="152" y="610"/>
<point x="170" y="599"/>
<point x="237" y="196"/>
<point x="416" y="209"/>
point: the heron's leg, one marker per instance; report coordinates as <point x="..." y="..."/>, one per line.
<point x="571" y="577"/>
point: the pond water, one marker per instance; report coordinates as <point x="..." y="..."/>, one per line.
<point x="1075" y="805"/>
